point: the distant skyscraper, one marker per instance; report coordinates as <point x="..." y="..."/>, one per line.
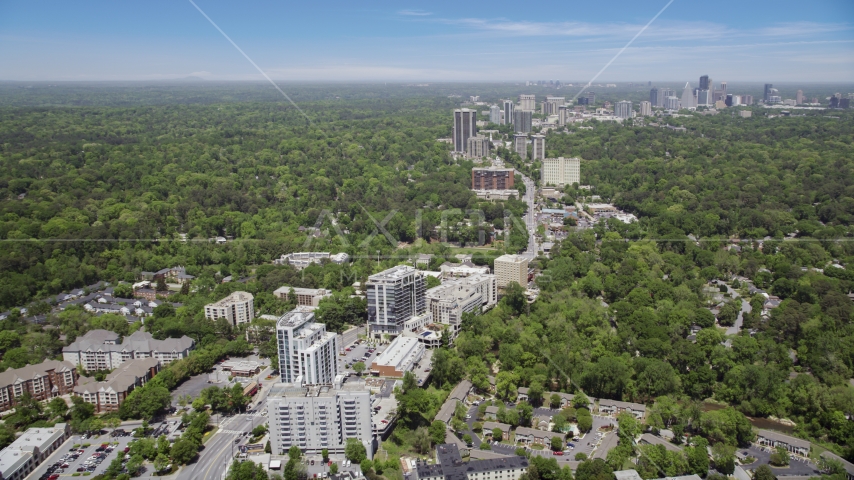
<point x="799" y="97"/>
<point x="465" y="126"/>
<point x="767" y="97"/>
<point x="671" y="103"/>
<point x="728" y="101"/>
<point x="653" y="97"/>
<point x="538" y="147"/>
<point x="704" y="98"/>
<point x="645" y="109"/>
<point x="688" y="97"/>
<point x="522" y="121"/>
<point x="551" y="105"/>
<point x="562" y="114"/>
<point x="704" y="82"/>
<point x="520" y="145"/>
<point x="527" y="102"/>
<point x="844" y="103"/>
<point x="723" y="87"/>
<point x="495" y="115"/>
<point x="591" y="98"/>
<point x="663" y="93"/>
<point x="747" y="99"/>
<point x="623" y="109"/>
<point x="509" y="107"/>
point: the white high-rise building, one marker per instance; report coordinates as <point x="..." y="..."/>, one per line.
<point x="527" y="102"/>
<point x="688" y="97"/>
<point x="645" y="109"/>
<point x="318" y="417"/>
<point x="538" y="147"/>
<point x="562" y="115"/>
<point x="394" y="296"/>
<point x="308" y="354"/>
<point x="495" y="114"/>
<point x="561" y="171"/>
<point x="509" y="108"/>
<point x="237" y="308"/>
<point x="465" y="126"/>
<point x="623" y="109"/>
<point x="511" y="268"/>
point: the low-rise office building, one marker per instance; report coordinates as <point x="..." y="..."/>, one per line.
<point x="43" y="381"/>
<point x="300" y="260"/>
<point x="319" y="417"/>
<point x="464" y="269"/>
<point x="237" y="308"/>
<point x="29" y="450"/>
<point x="450" y="466"/>
<point x="100" y="350"/>
<point x="398" y="358"/>
<point x="306" y="297"/>
<point x="107" y="396"/>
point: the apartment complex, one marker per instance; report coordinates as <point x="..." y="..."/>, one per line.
<point x="451" y="299"/>
<point x="477" y="147"/>
<point x="43" y="381"/>
<point x="623" y="109"/>
<point x="538" y="147"/>
<point x="237" y="308"/>
<point x="319" y="417"/>
<point x="100" y="350"/>
<point x="523" y="120"/>
<point x="511" y="268"/>
<point x="561" y="171"/>
<point x="520" y="145"/>
<point x="645" y="109"/>
<point x="551" y="105"/>
<point x="527" y="102"/>
<point x="29" y="450"/>
<point x="509" y="108"/>
<point x="450" y="466"/>
<point x="308" y="354"/>
<point x="492" y="178"/>
<point x="465" y="126"/>
<point x="107" y="396"/>
<point x="306" y="297"/>
<point x="394" y="296"/>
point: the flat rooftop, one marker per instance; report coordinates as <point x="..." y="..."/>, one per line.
<point x="296" y="317"/>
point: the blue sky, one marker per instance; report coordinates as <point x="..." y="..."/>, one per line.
<point x="747" y="40"/>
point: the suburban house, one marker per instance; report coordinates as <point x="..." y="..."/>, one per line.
<point x="767" y="438"/>
<point x="488" y="427"/>
<point x="107" y="396"/>
<point x="51" y="378"/>
<point x="615" y="407"/>
<point x="532" y="436"/>
<point x="492" y="411"/>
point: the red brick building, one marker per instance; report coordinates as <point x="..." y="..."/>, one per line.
<point x="43" y="381"/>
<point x="492" y="178"/>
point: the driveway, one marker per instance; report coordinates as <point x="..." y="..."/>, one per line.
<point x="745" y="308"/>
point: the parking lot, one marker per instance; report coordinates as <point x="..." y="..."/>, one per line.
<point x="82" y="459"/>
<point x="797" y="465"/>
<point x="358" y="353"/>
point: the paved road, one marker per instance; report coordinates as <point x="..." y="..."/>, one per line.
<point x="530" y="216"/>
<point x="221" y="448"/>
<point x="745" y="308"/>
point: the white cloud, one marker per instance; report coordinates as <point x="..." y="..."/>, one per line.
<point x="414" y="13"/>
